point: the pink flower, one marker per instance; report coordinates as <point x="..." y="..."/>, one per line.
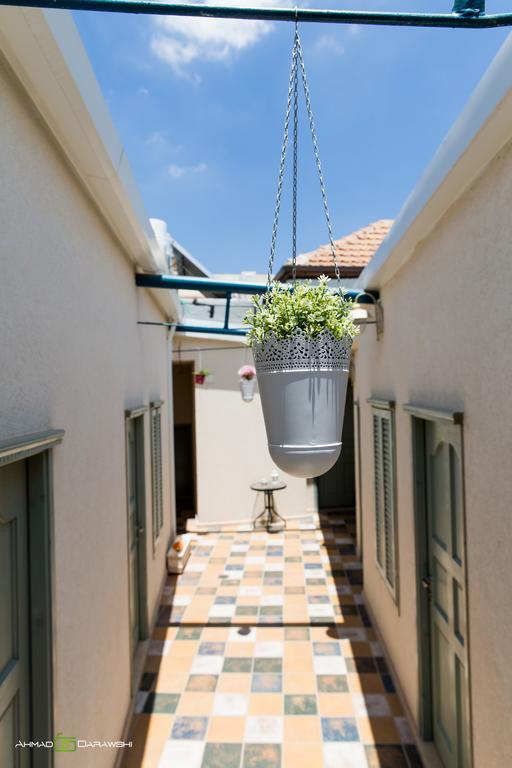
<point x="247" y="372"/>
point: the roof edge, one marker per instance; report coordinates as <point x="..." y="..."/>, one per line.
<point x="478" y="134"/>
<point x="46" y="53"/>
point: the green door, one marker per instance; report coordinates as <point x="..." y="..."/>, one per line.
<point x="134" y="530"/>
<point x="446" y="558"/>
<point x="14" y="621"/>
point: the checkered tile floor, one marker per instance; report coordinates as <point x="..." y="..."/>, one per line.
<point x="264" y="657"/>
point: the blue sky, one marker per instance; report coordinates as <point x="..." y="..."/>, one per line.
<point x="199" y="106"/>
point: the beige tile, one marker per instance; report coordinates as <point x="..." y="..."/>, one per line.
<point x="298" y="664"/>
<point x="234" y="683"/>
<point x="299" y="683"/>
<point x="301" y="728"/>
<point x="335" y="704"/>
<point x="266" y="704"/>
<point x="183" y="649"/>
<point x="226" y="729"/>
<point x="298" y="649"/>
<point x="171" y="682"/>
<point x="264" y="634"/>
<point x="215" y="634"/>
<point x="302" y="756"/>
<point x="195" y="703"/>
<point x="239" y="649"/>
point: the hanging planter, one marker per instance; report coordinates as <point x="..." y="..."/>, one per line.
<point x="301" y="337"/>
<point x="301" y="342"/>
<point x="201" y="376"/>
<point x="247" y="374"/>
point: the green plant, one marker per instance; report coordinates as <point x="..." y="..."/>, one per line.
<point x="308" y="307"/>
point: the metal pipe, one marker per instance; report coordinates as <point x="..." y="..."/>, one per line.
<point x="206" y="285"/>
<point x="465" y="20"/>
<point x="177" y="282"/>
<point x="226" y="313"/>
<point x="209" y="329"/>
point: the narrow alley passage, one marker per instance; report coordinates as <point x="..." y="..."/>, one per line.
<point x="264" y="657"/>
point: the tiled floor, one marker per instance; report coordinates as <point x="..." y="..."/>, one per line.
<point x="264" y="656"/>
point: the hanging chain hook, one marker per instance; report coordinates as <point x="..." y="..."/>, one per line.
<point x="277" y="209"/>
<point x="295" y="156"/>
<point x="298" y="60"/>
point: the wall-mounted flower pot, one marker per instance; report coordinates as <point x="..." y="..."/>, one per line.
<point x="200" y="377"/>
<point x="302" y="383"/>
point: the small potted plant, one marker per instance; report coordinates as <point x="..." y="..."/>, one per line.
<point x="301" y="341"/>
<point x="247" y="374"/>
<point x="201" y="375"/>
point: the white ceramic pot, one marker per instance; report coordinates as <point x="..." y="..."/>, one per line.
<point x="303" y="385"/>
<point x="247" y="389"/>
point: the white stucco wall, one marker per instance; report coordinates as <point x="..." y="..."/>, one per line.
<point x="446" y="345"/>
<point x="231" y="443"/>
<point x="73" y="357"/>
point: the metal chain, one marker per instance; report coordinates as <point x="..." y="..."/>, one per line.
<point x="277" y="210"/>
<point x="293" y="95"/>
<point x="295" y="163"/>
<point x="317" y="159"/>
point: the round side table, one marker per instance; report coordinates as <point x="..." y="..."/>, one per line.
<point x="270" y="518"/>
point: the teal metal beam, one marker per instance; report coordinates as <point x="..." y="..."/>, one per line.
<point x="226" y="287"/>
<point x="203" y="284"/>
<point x="209" y="329"/>
<point x="467" y="16"/>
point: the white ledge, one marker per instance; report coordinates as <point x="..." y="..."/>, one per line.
<point x="480" y="132"/>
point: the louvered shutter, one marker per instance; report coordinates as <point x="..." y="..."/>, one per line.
<point x="388" y="500"/>
<point x="156" y="471"/>
<point x="377" y="456"/>
<point x="385" y="506"/>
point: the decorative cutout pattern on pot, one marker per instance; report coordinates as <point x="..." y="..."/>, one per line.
<point x="303" y="384"/>
<point x="301" y="351"/>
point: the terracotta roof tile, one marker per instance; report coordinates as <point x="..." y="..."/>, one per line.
<point x="354" y="250"/>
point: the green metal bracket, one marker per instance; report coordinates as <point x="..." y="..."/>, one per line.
<point x="467" y="14"/>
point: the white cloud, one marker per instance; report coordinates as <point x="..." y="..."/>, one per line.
<point x="329" y="44"/>
<point x="178" y="171"/>
<point x="156" y="139"/>
<point x="179" y="41"/>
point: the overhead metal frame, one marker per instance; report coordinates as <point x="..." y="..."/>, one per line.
<point x="466" y="14"/>
<point x="227" y="289"/>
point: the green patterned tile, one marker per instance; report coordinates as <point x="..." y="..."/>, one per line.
<point x="222" y="755"/>
<point x="300" y="704"/>
<point x="262" y="756"/>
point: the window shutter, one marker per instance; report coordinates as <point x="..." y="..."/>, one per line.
<point x="378" y="484"/>
<point x="156" y="471"/>
<point x="385" y="505"/>
<point x="388" y="501"/>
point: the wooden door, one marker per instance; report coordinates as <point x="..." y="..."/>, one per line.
<point x="14" y="617"/>
<point x="447" y="584"/>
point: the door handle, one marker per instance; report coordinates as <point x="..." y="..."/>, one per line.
<point x="140" y="530"/>
<point x="426" y="583"/>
